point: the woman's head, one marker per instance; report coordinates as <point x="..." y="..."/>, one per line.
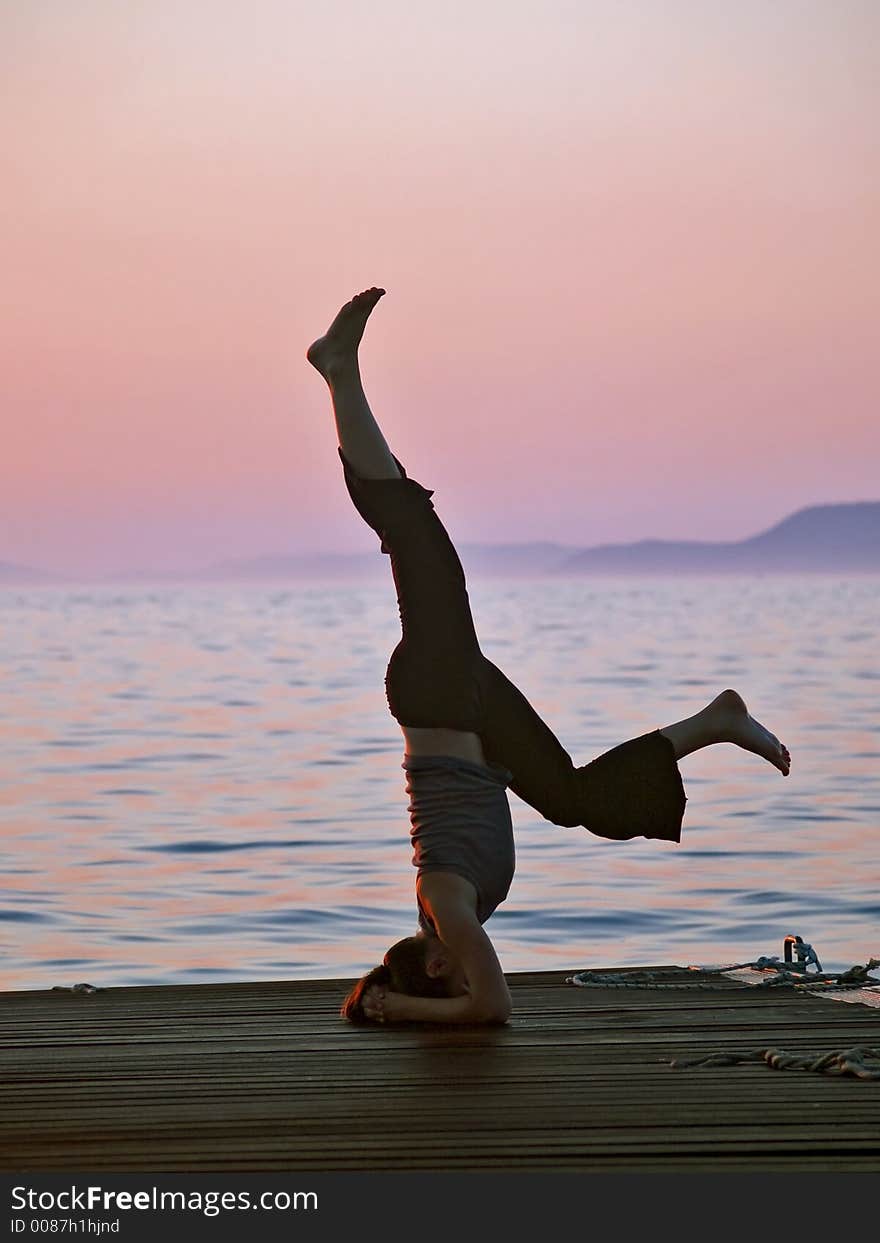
<point x="419" y="966"/>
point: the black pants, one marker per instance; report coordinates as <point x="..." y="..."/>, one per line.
<point x="438" y="677"/>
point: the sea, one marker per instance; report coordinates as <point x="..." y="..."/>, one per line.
<point x="202" y="783"/>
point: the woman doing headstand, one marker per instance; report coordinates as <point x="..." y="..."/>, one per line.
<point x="470" y="734"/>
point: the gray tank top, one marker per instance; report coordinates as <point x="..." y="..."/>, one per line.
<point x="461" y="823"/>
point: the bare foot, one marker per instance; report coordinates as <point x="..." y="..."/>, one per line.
<point x="339" y="345"/>
<point x="734" y="724"/>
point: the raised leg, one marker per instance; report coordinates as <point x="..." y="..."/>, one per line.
<point x="335" y="356"/>
<point x="430" y="679"/>
<point x="634" y="790"/>
<point x="727" y="719"/>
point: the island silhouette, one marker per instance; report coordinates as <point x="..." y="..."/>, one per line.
<point x="819" y="538"/>
<point x="841" y="538"/>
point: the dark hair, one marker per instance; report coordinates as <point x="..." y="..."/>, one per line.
<point x="403" y="971"/>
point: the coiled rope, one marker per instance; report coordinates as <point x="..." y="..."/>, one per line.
<point x="841" y="1062"/>
<point x="783" y="975"/>
<point x="631" y="979"/>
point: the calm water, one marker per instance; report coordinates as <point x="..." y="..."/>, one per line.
<point x="204" y="783"/>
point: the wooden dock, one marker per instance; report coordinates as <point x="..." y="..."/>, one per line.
<point x="267" y="1077"/>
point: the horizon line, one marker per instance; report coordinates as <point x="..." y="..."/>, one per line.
<point x="60" y="576"/>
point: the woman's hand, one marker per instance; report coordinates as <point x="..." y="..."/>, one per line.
<point x="373" y="1003"/>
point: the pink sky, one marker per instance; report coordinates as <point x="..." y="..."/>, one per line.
<point x="630" y="251"/>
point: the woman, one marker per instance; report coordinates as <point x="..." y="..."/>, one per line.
<point x="469" y="734"/>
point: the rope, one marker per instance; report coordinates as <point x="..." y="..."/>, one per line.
<point x="631" y="979"/>
<point x="784" y="976"/>
<point x="853" y="1061"/>
<point x="855" y="977"/>
<point x="843" y="1062"/>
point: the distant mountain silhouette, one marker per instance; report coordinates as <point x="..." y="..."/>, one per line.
<point x="483" y="559"/>
<point x="818" y="538"/>
<point x="11" y="573"/>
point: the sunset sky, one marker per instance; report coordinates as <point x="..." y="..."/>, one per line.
<point x="630" y="248"/>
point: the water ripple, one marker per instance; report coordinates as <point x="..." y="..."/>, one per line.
<point x="209" y="847"/>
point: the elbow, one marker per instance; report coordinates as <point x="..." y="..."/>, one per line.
<point x="496" y="1011"/>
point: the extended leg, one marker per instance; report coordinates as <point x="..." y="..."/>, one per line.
<point x="430" y="680"/>
<point x="635" y="789"/>
<point x="335" y="355"/>
<point x="727" y="719"/>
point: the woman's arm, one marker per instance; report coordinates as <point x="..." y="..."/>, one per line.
<point x="401" y="1008"/>
<point x="451" y="903"/>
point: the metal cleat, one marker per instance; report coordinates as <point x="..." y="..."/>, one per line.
<point x="805" y="954"/>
